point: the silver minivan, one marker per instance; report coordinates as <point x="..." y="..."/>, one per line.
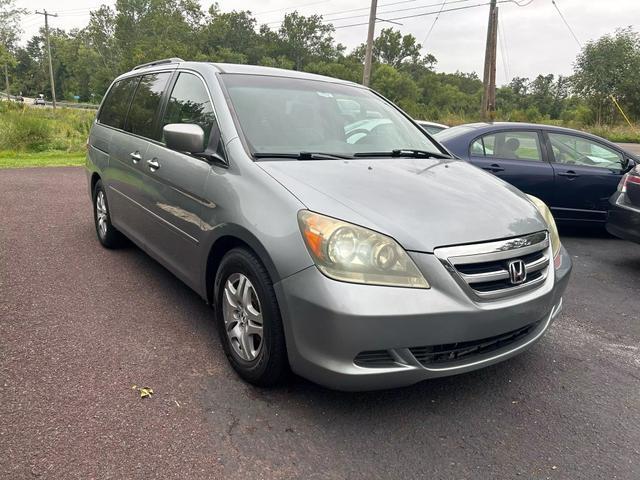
<point x="332" y="235"/>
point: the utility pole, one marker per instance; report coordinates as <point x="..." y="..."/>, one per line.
<point x="46" y="32"/>
<point x="366" y="77"/>
<point x="489" y="79"/>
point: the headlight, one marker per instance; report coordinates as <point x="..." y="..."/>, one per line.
<point x="548" y="217"/>
<point x="350" y="253"/>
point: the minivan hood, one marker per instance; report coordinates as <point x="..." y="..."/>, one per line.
<point x="422" y="203"/>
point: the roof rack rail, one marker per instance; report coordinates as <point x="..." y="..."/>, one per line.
<point x="159" y="62"/>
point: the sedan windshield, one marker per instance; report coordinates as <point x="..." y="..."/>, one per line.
<point x="282" y="115"/>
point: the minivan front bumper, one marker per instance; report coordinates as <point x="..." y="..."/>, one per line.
<point x="361" y="337"/>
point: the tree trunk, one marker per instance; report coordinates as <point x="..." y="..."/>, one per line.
<point x="6" y="79"/>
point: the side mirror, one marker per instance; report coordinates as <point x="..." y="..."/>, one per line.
<point x="630" y="163"/>
<point x="184" y="137"/>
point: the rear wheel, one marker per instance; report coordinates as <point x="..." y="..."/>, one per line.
<point x="248" y="319"/>
<point x="108" y="235"/>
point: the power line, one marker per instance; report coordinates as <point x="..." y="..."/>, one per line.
<point x="566" y="23"/>
<point x="503" y="46"/>
<point x="276" y="10"/>
<point x="382" y="13"/>
<point x="387" y="4"/>
<point x="427" y="13"/>
<point x="426" y="37"/>
<point x="85" y="8"/>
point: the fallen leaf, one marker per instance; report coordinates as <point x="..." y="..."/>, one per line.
<point x="145" y="392"/>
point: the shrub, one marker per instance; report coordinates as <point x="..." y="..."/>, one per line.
<point x="27" y="129"/>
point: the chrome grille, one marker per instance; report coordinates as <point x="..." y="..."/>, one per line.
<point x="490" y="270"/>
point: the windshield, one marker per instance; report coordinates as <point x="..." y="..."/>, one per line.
<point x="289" y="115"/>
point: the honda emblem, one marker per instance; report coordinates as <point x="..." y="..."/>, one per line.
<point x="517" y="271"/>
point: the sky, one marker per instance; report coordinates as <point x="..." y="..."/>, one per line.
<point x="532" y="38"/>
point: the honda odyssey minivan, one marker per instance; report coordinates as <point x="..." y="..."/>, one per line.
<point x="332" y="235"/>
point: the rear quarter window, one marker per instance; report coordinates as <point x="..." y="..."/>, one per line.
<point x="116" y="104"/>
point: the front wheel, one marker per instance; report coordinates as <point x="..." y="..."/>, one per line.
<point x="248" y="319"/>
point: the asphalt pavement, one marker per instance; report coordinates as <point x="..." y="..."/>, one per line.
<point x="81" y="325"/>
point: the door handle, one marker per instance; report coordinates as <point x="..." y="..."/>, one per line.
<point x="153" y="164"/>
<point x="135" y="156"/>
<point x="569" y="173"/>
<point x="494" y="167"/>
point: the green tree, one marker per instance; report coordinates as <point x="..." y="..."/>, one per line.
<point x="395" y="85"/>
<point x="303" y="38"/>
<point x="610" y="66"/>
<point x="9" y="32"/>
<point x="226" y="32"/>
<point x="151" y="29"/>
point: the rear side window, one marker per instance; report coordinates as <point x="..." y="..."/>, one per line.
<point x="145" y="105"/>
<point x="115" y="106"/>
<point x="189" y="103"/>
<point x="509" y="145"/>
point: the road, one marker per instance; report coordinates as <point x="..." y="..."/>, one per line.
<point x="80" y="325"/>
<point x="631" y="147"/>
<point x="29" y="101"/>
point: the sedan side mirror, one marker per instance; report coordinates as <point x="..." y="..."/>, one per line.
<point x="630" y="163"/>
<point x="184" y="137"/>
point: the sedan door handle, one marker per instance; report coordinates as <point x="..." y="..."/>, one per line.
<point x="494" y="167"/>
<point x="153" y="164"/>
<point x="135" y="156"/>
<point x="568" y="173"/>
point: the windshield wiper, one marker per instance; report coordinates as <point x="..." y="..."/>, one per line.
<point x="302" y="155"/>
<point x="403" y="152"/>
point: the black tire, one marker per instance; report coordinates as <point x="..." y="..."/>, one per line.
<point x="271" y="366"/>
<point x="110" y="237"/>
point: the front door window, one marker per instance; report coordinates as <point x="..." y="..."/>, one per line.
<point x="580" y="151"/>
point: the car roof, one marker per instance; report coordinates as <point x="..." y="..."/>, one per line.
<point x="433" y="124"/>
<point x="234" y="68"/>
<point x="515" y="125"/>
<point x="473" y="129"/>
<point x="458" y="138"/>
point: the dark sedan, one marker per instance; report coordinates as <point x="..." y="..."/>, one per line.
<point x="574" y="172"/>
<point x="624" y="212"/>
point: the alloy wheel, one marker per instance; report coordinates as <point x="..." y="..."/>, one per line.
<point x="101" y="213"/>
<point x="242" y="316"/>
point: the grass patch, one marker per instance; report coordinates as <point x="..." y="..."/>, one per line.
<point x="27" y="129"/>
<point x="41" y="159"/>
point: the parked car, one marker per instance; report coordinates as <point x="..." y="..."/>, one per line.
<point x="431" y="127"/>
<point x="624" y="212"/>
<point x="573" y="172"/>
<point x="360" y="264"/>
<point x="39" y="101"/>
